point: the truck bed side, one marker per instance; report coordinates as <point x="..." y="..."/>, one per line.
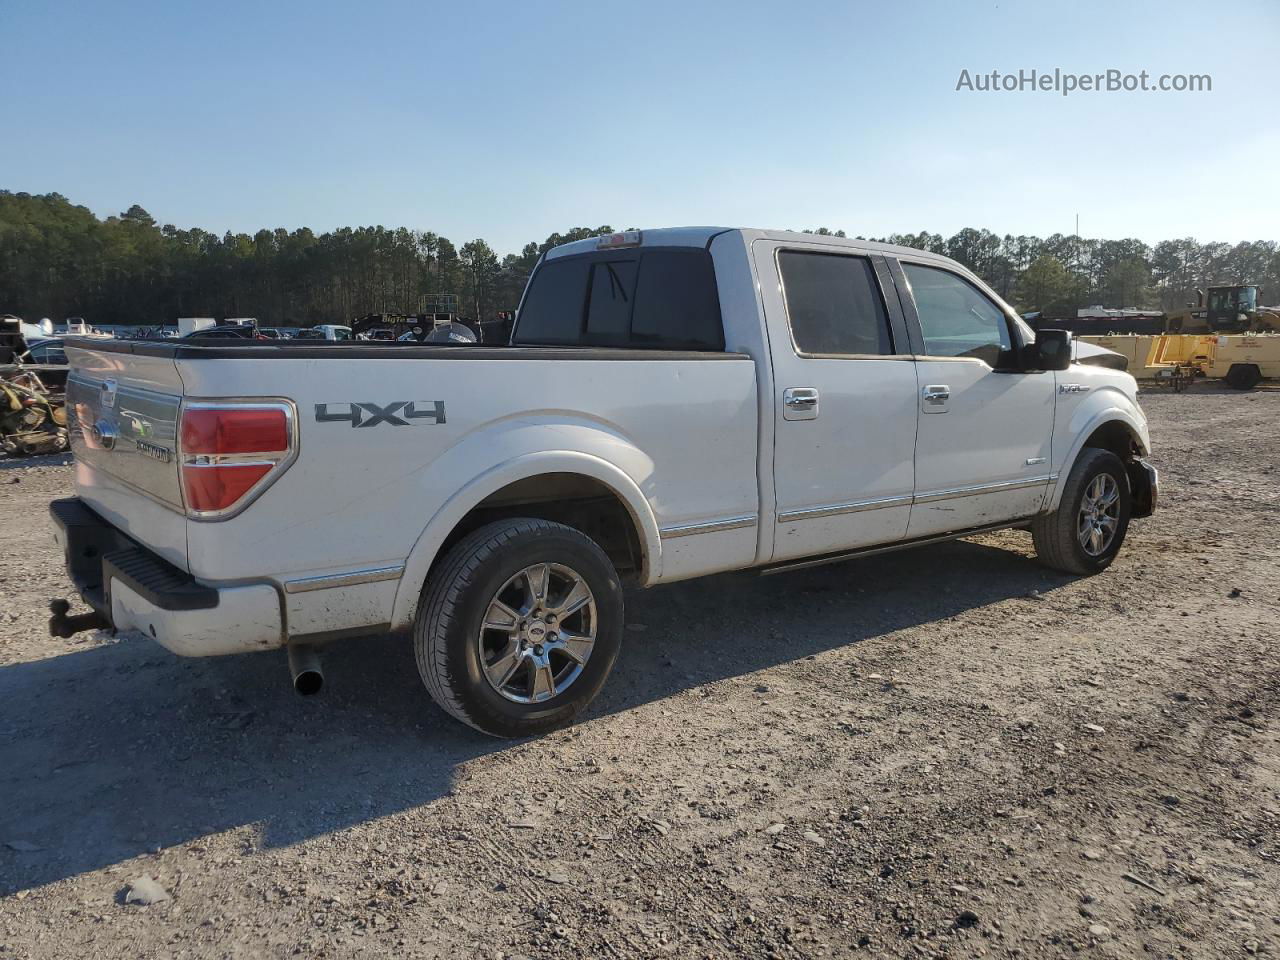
<point x="371" y="492"/>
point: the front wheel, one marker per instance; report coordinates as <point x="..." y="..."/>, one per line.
<point x="519" y="626"/>
<point x="1087" y="530"/>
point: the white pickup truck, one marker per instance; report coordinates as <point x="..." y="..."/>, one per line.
<point x="672" y="404"/>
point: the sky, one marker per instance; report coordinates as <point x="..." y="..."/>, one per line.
<point x="509" y="121"/>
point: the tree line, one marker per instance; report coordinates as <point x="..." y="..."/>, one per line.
<point x="58" y="259"/>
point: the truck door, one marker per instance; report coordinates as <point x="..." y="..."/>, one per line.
<point x="982" y="444"/>
<point x="845" y="403"/>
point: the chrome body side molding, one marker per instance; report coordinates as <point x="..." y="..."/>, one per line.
<point x="711" y="526"/>
<point x="835" y="509"/>
<point x="352" y="579"/>
<point x="931" y="496"/>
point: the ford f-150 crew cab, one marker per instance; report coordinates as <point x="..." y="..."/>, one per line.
<point x="672" y="404"/>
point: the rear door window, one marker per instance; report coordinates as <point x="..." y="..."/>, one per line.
<point x="833" y="304"/>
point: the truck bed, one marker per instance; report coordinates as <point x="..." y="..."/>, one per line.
<point x="375" y="350"/>
<point x="360" y="487"/>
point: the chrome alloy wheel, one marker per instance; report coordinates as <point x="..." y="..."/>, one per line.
<point x="538" y="633"/>
<point x="1099" y="515"/>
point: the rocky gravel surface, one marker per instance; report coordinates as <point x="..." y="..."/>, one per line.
<point x="950" y="752"/>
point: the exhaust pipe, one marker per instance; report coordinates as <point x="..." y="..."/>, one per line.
<point x="304" y="666"/>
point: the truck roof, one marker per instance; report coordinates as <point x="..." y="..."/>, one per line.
<point x="701" y="236"/>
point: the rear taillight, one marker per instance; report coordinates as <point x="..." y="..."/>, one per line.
<point x="234" y="429"/>
<point x="231" y="452"/>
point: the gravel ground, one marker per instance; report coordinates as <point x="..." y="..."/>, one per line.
<point x="947" y="752"/>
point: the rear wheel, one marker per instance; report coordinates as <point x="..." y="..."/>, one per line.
<point x="519" y="626"/>
<point x="1087" y="530"/>
<point x="1243" y="376"/>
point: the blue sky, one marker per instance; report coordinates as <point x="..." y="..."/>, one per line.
<point x="510" y="120"/>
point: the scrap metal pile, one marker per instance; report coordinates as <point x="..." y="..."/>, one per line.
<point x="32" y="418"/>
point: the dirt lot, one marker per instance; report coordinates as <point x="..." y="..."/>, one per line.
<point x="949" y="752"/>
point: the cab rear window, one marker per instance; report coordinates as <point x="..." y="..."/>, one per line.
<point x="655" y="299"/>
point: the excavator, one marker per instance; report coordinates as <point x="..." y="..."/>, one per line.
<point x="1229" y="309"/>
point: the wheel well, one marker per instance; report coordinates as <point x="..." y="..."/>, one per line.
<point x="575" y="500"/>
<point x="1124" y="443"/>
<point x="1118" y="438"/>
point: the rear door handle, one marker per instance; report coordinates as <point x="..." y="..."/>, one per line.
<point x="935" y="398"/>
<point x="800" y="403"/>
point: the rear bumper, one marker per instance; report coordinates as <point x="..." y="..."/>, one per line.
<point x="134" y="589"/>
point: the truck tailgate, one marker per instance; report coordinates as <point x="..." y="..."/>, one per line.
<point x="122" y="413"/>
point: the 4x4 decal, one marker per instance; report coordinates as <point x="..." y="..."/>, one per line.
<point x="398" y="413"/>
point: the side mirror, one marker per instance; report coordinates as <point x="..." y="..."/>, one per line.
<point x="1052" y="350"/>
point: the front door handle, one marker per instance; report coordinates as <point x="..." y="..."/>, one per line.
<point x="935" y="398"/>
<point x="800" y="403"/>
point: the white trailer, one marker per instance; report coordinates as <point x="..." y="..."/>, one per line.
<point x="189" y="325"/>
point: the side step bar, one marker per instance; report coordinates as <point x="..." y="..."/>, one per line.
<point x="805" y="562"/>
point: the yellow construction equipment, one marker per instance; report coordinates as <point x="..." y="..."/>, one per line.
<point x="1229" y="308"/>
<point x="1134" y="347"/>
<point x="1240" y="360"/>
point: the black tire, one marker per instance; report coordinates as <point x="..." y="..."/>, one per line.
<point x="447" y="631"/>
<point x="1057" y="535"/>
<point x="1243" y="376"/>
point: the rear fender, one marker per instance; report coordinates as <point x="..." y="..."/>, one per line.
<point x="522" y="467"/>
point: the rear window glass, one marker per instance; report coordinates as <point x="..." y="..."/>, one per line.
<point x="612" y="292"/>
<point x="552" y="309"/>
<point x="677" y="303"/>
<point x="833" y="304"/>
<point x="658" y="299"/>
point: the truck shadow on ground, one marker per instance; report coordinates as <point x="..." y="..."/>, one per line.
<point x="114" y="751"/>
